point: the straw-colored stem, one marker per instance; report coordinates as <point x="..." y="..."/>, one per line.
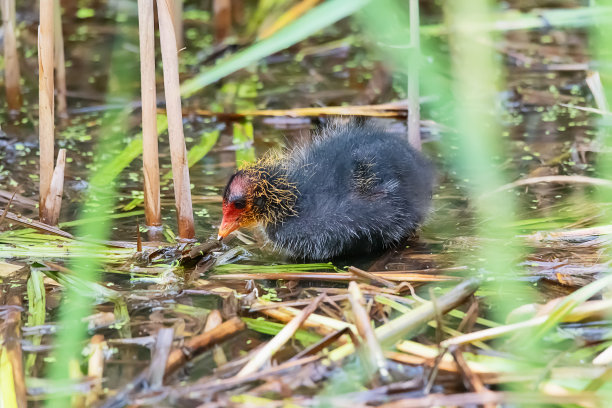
<point x="364" y="327"/>
<point x="11" y="354"/>
<point x="178" y="152"/>
<point x="279" y="340"/>
<point x="11" y="59"/>
<point x="595" y="308"/>
<point x="177" y="17"/>
<point x="412" y="321"/>
<point x="95" y="367"/>
<point x="60" y="61"/>
<point x="414" y="109"/>
<point x="150" y="162"/>
<point x="222" y="19"/>
<point x="45" y="99"/>
<point x="53" y="203"/>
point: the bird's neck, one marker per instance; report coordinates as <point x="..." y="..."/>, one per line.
<point x="273" y="194"/>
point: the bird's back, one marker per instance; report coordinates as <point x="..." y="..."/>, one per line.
<point x="360" y="189"/>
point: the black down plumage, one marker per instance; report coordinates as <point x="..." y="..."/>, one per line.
<point x="359" y="189"/>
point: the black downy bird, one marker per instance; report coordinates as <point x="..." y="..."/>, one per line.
<point x="355" y="189"/>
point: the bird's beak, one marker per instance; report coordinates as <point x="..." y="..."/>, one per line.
<point x="227" y="226"/>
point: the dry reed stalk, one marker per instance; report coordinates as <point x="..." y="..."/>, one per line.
<point x="414" y="108"/>
<point x="322" y="325"/>
<point x="177" y="18"/>
<point x="10" y="346"/>
<point x="408" y="323"/>
<point x="53" y="203"/>
<point x="278" y="341"/>
<point x="290" y="15"/>
<point x="161" y="351"/>
<point x="196" y="344"/>
<point x="375" y="356"/>
<point x="178" y="152"/>
<point x="594" y="308"/>
<point x="214" y="320"/>
<point x="604" y="358"/>
<point x="11" y="59"/>
<point x="554" y="179"/>
<point x="370" y="277"/>
<point x="60" y="61"/>
<point x="223" y="19"/>
<point x="95" y="367"/>
<point x="146" y="28"/>
<point x="45" y="100"/>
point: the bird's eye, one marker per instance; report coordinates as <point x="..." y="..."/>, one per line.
<point x="240" y="204"/>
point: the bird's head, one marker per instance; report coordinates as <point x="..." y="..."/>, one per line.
<point x="238" y="204"/>
<point x="257" y="193"/>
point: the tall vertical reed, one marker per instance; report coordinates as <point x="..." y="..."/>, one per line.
<point x="222" y="19"/>
<point x="60" y="61"/>
<point x="11" y="59"/>
<point x="177" y="18"/>
<point x="146" y="28"/>
<point x="45" y="100"/>
<point x="180" y="168"/>
<point x="414" y="107"/>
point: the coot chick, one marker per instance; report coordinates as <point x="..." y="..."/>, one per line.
<point x="353" y="190"/>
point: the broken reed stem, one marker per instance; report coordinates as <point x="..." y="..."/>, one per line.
<point x="53" y="203"/>
<point x="159" y="360"/>
<point x="414" y="108"/>
<point x="587" y="309"/>
<point x="177" y="18"/>
<point x="45" y="100"/>
<point x="195" y="345"/>
<point x="178" y="152"/>
<point x="11" y="59"/>
<point x="374" y="352"/>
<point x="222" y="10"/>
<point x="278" y="341"/>
<point x="410" y="322"/>
<point x="60" y="60"/>
<point x="146" y="28"/>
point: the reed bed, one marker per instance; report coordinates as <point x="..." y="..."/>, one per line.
<point x="502" y="299"/>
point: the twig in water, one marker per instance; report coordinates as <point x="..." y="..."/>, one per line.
<point x="8" y="206"/>
<point x="195" y="345"/>
<point x="553" y="179"/>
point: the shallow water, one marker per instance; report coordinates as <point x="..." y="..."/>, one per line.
<point x="544" y="68"/>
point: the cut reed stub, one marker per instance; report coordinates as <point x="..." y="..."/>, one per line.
<point x="178" y="152"/>
<point x="11" y="58"/>
<point x="53" y="201"/>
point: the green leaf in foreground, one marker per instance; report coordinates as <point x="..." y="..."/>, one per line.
<point x="318" y="18"/>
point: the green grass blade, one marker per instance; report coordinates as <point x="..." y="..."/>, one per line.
<point x="318" y="18"/>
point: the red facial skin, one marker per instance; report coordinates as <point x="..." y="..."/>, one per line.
<point x="234" y="218"/>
